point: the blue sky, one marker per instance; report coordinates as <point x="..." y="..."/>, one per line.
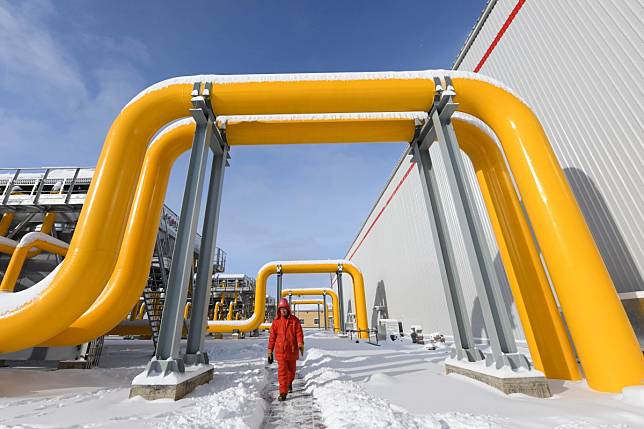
<point x="68" y="67"/>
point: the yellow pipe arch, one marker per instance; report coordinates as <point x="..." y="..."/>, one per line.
<point x="321" y="291"/>
<point x="566" y="243"/>
<point x="545" y="333"/>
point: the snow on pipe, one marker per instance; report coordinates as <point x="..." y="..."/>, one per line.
<point x="8" y="246"/>
<point x="565" y="240"/>
<point x="38" y="240"/>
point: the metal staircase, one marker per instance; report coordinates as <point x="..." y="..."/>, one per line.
<point x="154" y="291"/>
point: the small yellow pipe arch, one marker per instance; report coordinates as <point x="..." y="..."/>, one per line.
<point x="321" y="291"/>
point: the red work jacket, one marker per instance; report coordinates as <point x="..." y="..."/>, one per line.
<point x="285" y="337"/>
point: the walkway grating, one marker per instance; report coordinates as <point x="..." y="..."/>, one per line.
<point x="298" y="411"/>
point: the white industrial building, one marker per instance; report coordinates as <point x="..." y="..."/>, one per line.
<point x="579" y="65"/>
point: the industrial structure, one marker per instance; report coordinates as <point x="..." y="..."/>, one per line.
<point x="42" y="205"/>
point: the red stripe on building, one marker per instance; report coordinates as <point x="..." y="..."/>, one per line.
<point x="383" y="208"/>
<point x="499" y="35"/>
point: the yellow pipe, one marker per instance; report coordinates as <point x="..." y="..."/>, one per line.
<point x="141" y="312"/>
<point x="229" y="316"/>
<point x="320" y="291"/>
<point x="5" y="223"/>
<point x="117" y="170"/>
<point x="133" y="312"/>
<point x="583" y="285"/>
<point x="545" y="333"/>
<point x="559" y="226"/>
<point x="265" y="326"/>
<point x="20" y="255"/>
<point x="186" y="310"/>
<point x="306" y="301"/>
<point x="131" y="327"/>
<point x="131" y="272"/>
<point x="295" y="267"/>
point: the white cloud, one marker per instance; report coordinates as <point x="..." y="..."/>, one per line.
<point x="55" y="104"/>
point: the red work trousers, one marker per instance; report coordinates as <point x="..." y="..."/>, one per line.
<point x="286" y="373"/>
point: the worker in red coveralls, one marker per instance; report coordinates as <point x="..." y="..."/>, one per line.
<point x="287" y="341"/>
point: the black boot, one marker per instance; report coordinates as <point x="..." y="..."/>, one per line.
<point x="282" y="397"/>
<point x="290" y="388"/>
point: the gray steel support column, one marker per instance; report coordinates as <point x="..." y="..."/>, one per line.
<point x="279" y="284"/>
<point x="319" y="321"/>
<point x="290" y="299"/>
<point x="167" y="358"/>
<point x="495" y="315"/>
<point x="326" y="313"/>
<point x="195" y="354"/>
<point x="459" y="319"/>
<point x="340" y="298"/>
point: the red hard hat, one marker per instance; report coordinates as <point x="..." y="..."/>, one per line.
<point x="284" y="304"/>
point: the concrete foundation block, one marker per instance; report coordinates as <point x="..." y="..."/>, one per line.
<point x="175" y="389"/>
<point x="74" y="364"/>
<point x="531" y="383"/>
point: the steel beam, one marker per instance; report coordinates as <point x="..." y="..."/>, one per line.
<point x="459" y="319"/>
<point x="195" y="353"/>
<point x="495" y="314"/>
<point x="166" y="359"/>
<point x="340" y="298"/>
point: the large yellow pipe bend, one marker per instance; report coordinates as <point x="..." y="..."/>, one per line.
<point x="320" y="291"/>
<point x="94" y="248"/>
<point x="545" y="333"/>
<point x="578" y="273"/>
<point x="132" y="268"/>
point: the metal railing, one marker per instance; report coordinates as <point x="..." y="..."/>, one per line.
<point x="373" y="333"/>
<point x="54" y="185"/>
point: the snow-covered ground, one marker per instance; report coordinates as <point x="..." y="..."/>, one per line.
<point x="396" y="385"/>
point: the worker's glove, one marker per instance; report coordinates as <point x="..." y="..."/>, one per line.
<point x="269" y="357"/>
<point x="301" y="347"/>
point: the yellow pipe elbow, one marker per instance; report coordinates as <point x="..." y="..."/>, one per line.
<point x="545" y="333"/>
<point x="577" y="270"/>
<point x="132" y="267"/>
<point x="94" y="248"/>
